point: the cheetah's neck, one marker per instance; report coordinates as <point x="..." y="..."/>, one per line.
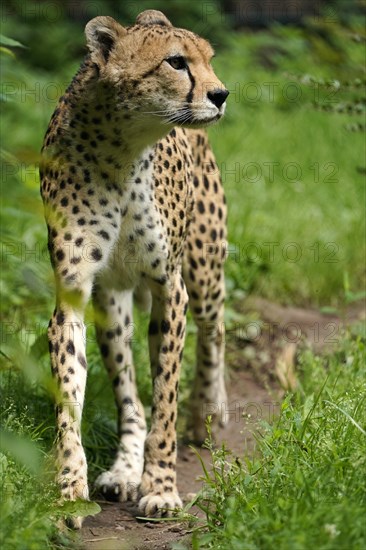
<point x="114" y="139"/>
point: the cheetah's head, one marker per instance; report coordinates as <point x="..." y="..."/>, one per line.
<point x="157" y="72"/>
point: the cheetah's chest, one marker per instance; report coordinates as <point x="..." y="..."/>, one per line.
<point x="141" y="246"/>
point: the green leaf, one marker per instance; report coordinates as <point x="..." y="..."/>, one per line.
<point x="5" y="41"/>
<point x="79" y="507"/>
<point x="7" y="51"/>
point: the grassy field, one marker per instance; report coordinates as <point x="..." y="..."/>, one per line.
<point x="294" y="178"/>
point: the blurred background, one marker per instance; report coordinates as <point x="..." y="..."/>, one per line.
<point x="291" y="154"/>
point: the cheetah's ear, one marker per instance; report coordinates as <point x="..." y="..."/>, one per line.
<point x="153" y="17"/>
<point x="101" y="35"/>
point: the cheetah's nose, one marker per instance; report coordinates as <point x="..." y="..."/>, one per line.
<point x="218" y="96"/>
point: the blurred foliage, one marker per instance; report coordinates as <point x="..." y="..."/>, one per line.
<point x="30" y="22"/>
<point x="28" y="495"/>
<point x="294" y="174"/>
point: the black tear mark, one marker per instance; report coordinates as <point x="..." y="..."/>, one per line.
<point x="189" y="97"/>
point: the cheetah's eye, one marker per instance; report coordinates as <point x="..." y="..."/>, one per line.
<point x="177" y="62"/>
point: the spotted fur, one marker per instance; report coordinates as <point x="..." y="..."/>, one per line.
<point x="135" y="207"/>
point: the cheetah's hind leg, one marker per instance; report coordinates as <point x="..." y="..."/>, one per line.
<point x="203" y="272"/>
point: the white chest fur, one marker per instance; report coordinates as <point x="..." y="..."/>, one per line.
<point x="141" y="248"/>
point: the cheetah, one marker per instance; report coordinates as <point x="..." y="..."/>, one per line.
<point x="135" y="208"/>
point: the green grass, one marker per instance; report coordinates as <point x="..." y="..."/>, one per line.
<point x="324" y="218"/>
<point x="306" y="488"/>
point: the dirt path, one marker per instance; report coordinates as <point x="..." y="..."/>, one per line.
<point x="260" y="363"/>
<point x="115" y="528"/>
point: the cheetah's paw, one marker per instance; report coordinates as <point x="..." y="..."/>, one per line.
<point x="118" y="485"/>
<point x="160" y="506"/>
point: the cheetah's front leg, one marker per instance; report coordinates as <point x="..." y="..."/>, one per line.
<point x="166" y="341"/>
<point x="67" y="348"/>
<point x="114" y="331"/>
